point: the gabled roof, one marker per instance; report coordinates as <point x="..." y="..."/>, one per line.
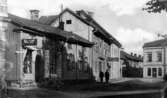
<point x="42" y="29"/>
<point x="55" y="17"/>
<point x="157" y="43"/>
<point x="47" y="19"/>
<point x="124" y="55"/>
<point x="89" y="21"/>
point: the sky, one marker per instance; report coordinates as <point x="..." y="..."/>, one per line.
<point x="123" y="19"/>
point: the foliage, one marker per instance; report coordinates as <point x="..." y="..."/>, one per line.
<point x="155" y="6"/>
<point x="51" y="83"/>
<point x="132" y="72"/>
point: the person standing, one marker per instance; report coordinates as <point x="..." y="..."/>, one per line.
<point x="107" y="75"/>
<point x="101" y="75"/>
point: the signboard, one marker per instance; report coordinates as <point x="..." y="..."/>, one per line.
<point x="29" y="42"/>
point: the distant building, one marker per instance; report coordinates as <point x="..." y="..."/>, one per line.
<point x="155" y="62"/>
<point x="83" y="24"/>
<point x="132" y="65"/>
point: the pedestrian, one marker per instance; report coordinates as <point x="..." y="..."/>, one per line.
<point x="101" y="75"/>
<point x="107" y="75"/>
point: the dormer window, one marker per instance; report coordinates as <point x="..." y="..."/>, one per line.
<point x="69" y="21"/>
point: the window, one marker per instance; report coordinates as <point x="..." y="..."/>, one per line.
<point x="160" y="71"/>
<point x="149" y="57"/>
<point x="149" y="71"/>
<point x="68" y="21"/>
<point x="154" y="72"/>
<point x="159" y="56"/>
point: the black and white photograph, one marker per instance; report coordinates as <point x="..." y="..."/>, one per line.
<point x="83" y="49"/>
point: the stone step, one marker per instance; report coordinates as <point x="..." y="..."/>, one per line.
<point x="24" y="84"/>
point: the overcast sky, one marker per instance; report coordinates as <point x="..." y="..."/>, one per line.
<point x="124" y="19"/>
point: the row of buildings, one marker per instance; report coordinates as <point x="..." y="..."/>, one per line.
<point x="68" y="46"/>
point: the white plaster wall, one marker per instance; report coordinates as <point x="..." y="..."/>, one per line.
<point x="77" y="26"/>
<point x="116" y="69"/>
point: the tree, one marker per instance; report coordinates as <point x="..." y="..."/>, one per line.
<point x="155" y="6"/>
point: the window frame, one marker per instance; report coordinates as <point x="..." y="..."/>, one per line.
<point x="68" y="21"/>
<point x="159" y="59"/>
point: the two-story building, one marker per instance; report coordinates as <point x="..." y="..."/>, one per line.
<point x="82" y="24"/>
<point x="155" y="58"/>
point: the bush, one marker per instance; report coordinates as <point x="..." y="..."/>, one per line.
<point x="132" y="72"/>
<point x="165" y="77"/>
<point x="51" y="83"/>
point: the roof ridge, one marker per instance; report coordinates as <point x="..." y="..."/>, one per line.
<point x="156" y="43"/>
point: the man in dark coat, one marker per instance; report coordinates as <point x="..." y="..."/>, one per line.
<point x="107" y="75"/>
<point x="101" y="75"/>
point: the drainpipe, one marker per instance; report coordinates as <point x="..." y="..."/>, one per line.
<point x="164" y="61"/>
<point x="76" y="68"/>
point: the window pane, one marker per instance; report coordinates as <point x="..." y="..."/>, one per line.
<point x="149" y="71"/>
<point x="68" y="21"/>
<point x="160" y="71"/>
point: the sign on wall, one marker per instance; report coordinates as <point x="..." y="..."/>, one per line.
<point x="29" y="42"/>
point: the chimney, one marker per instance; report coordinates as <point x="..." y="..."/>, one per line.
<point x="139" y="56"/>
<point x="91" y="14"/>
<point x="131" y="54"/>
<point x="34" y="15"/>
<point x="135" y="55"/>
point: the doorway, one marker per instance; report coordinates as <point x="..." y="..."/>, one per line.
<point x="39" y="67"/>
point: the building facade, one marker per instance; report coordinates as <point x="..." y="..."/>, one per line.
<point x="82" y="24"/>
<point x="155" y="59"/>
